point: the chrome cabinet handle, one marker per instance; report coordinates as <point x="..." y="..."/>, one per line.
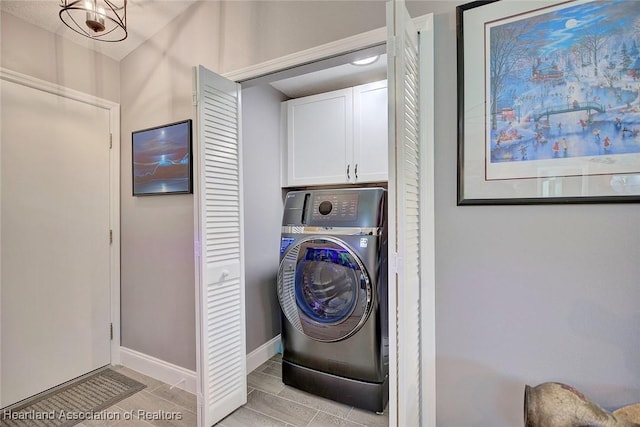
<point x="355" y="171"/>
<point x="348" y="176"/>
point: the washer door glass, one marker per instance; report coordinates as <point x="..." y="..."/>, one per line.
<point x="327" y="282"/>
<point x="324" y="289"/>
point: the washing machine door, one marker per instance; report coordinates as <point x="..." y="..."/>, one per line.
<point x="324" y="290"/>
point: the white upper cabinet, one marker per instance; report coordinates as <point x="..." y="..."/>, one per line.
<point x="370" y="137"/>
<point x="319" y="138"/>
<point x="338" y="137"/>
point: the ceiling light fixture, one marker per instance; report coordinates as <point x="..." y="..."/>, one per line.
<point x="366" y="61"/>
<point x="103" y="20"/>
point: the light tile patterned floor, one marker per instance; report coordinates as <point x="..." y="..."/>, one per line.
<point x="271" y="403"/>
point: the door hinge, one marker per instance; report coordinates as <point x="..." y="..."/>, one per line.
<point x="110" y="141"/>
<point x="195" y="99"/>
<point x="396" y="263"/>
<point x="110" y="236"/>
<point x="391" y="46"/>
<point x="111" y="331"/>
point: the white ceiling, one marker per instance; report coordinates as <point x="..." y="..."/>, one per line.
<point x="144" y="19"/>
<point x="339" y="77"/>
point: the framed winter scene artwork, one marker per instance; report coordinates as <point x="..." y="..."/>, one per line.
<point x="548" y="102"/>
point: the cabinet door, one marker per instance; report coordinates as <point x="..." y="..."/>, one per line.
<point x="370" y="136"/>
<point x="319" y="138"/>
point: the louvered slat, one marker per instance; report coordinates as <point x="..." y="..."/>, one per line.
<point x="407" y="202"/>
<point x="411" y="240"/>
<point x="220" y="202"/>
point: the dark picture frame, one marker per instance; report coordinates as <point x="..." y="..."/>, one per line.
<point x="548" y="102"/>
<point x="162" y="159"/>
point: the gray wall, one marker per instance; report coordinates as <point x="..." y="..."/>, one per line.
<point x="158" y="293"/>
<point x="526" y="294"/>
<point x="263" y="210"/>
<point x="30" y="50"/>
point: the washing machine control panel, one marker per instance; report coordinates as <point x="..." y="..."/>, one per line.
<point x="349" y="207"/>
<point x="335" y="207"/>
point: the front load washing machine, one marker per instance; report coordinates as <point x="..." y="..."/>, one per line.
<point x="332" y="288"/>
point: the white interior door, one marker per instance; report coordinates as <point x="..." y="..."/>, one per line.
<point x="411" y="215"/>
<point x="221" y="353"/>
<point x="55" y="244"/>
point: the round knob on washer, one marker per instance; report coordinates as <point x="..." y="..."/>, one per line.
<point x="325" y="207"/>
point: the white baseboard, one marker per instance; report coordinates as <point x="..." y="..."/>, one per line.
<point x="185" y="378"/>
<point x="159" y="369"/>
<point x="263" y="353"/>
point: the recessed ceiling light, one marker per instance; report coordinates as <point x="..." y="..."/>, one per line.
<point x="366" y="61"/>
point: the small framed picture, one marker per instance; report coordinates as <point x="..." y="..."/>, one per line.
<point x="161" y="159"/>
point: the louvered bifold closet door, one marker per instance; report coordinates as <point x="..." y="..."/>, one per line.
<point x="404" y="205"/>
<point x="218" y="187"/>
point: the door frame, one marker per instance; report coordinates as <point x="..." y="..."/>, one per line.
<point x="114" y="187"/>
<point x="427" y="307"/>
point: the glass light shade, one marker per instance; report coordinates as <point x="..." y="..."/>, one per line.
<point x="103" y="20"/>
